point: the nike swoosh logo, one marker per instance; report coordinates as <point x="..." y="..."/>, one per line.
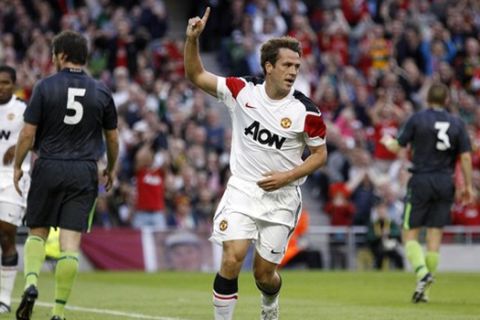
<point x="276" y="252"/>
<point x="249" y="106"/>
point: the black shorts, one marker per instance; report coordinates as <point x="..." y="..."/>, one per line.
<point x="62" y="194"/>
<point x="429" y="201"/>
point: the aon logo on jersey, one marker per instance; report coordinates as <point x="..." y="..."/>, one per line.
<point x="264" y="136"/>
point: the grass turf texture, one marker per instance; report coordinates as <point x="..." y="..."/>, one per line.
<point x="305" y="295"/>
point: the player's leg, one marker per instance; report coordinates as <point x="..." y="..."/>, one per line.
<point x="8" y="269"/>
<point x="34" y="256"/>
<point x="434" y="239"/>
<point x="66" y="269"/>
<point x="414" y="252"/>
<point x="417" y="207"/>
<point x="438" y="217"/>
<point x="225" y="285"/>
<point x="75" y="217"/>
<point x="269" y="282"/>
<point x="270" y="250"/>
<point x="432" y="257"/>
<point x="235" y="232"/>
<point x="11" y="215"/>
<point x="416" y="257"/>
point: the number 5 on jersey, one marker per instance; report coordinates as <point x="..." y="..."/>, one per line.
<point x="74" y="105"/>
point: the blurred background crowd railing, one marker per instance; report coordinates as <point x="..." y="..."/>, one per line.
<point x="366" y="64"/>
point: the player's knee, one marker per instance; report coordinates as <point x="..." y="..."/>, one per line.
<point x="231" y="265"/>
<point x="7" y="242"/>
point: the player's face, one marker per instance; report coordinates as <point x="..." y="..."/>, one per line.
<point x="285" y="70"/>
<point x="6" y="87"/>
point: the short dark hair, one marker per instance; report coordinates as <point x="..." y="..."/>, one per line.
<point x="269" y="50"/>
<point x="437" y="94"/>
<point x="10" y="71"/>
<point x="73" y="45"/>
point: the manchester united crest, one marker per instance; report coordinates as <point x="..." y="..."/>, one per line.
<point x="286" y="123"/>
<point x="223" y="225"/>
<point x="10" y="116"/>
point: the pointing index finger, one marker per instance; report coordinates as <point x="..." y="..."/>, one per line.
<point x="205" y="15"/>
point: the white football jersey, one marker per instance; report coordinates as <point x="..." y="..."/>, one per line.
<point x="11" y="122"/>
<point x="268" y="135"/>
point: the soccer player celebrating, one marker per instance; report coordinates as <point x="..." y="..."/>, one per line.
<point x="12" y="205"/>
<point x="437" y="139"/>
<point x="63" y="123"/>
<point x="272" y="123"/>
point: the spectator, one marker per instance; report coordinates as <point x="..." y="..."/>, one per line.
<point x="384" y="237"/>
<point x="150" y="176"/>
<point x="183" y="217"/>
<point x="340" y="208"/>
<point x="341" y="211"/>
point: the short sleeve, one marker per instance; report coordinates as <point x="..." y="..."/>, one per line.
<point x="464" y="140"/>
<point x="110" y="115"/>
<point x="314" y="129"/>
<point x="33" y="112"/>
<point x="228" y="90"/>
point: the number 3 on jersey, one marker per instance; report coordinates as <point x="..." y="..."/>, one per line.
<point x="74" y="105"/>
<point x="444" y="141"/>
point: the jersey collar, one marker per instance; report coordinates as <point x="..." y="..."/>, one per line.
<point x="9" y="102"/>
<point x="73" y="70"/>
<point x="272" y="101"/>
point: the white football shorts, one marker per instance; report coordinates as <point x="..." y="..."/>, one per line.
<point x="12" y="205"/>
<point x="11" y="213"/>
<point x="248" y="212"/>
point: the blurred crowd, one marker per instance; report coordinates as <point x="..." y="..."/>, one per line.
<point x="366" y="64"/>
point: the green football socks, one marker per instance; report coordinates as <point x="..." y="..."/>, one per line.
<point x="416" y="258"/>
<point x="65" y="274"/>
<point x="432" y="258"/>
<point x="34" y="256"/>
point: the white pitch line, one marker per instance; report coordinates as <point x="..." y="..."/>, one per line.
<point x="106" y="311"/>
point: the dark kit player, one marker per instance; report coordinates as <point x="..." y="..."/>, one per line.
<point x="64" y="122"/>
<point x="437" y="139"/>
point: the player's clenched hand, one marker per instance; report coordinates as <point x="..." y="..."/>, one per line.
<point x="274" y="180"/>
<point x="109" y="178"/>
<point x="17" y="175"/>
<point x="197" y="24"/>
<point x="468" y="195"/>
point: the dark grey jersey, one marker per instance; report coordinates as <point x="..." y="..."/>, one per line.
<point x="70" y="110"/>
<point x="437" y="138"/>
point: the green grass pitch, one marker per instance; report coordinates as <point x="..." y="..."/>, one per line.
<point x="305" y="295"/>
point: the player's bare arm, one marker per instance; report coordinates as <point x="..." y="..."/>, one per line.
<point x="468" y="193"/>
<point x="275" y="180"/>
<point x="111" y="138"/>
<point x="194" y="70"/>
<point x="24" y="144"/>
<point x="9" y="155"/>
<point x="390" y="143"/>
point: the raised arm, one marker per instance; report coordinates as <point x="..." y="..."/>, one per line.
<point x="194" y="70"/>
